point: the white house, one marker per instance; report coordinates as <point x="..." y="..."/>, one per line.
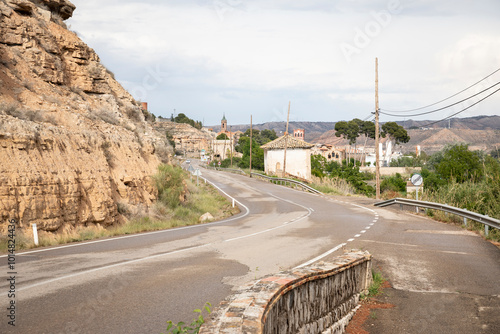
<point x="298" y="157"/>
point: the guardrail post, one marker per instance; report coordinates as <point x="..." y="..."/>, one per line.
<point x="35" y="234"/>
<point x="486" y="228"/>
<point x="233" y="202"/>
<point x="465" y="220"/>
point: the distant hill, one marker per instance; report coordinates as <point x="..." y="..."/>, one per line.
<point x="480" y="132"/>
<point x="313" y="129"/>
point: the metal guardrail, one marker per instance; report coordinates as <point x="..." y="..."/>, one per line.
<point x="231" y="170"/>
<point x="272" y="179"/>
<point x="483" y="219"/>
<point x="284" y="181"/>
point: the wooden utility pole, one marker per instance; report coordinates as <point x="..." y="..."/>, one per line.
<point x="232" y="143"/>
<point x="286" y="140"/>
<point x="224" y="150"/>
<point x="377" y="153"/>
<point x="250" y="145"/>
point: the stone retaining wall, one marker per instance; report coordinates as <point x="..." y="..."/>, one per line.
<point x="319" y="298"/>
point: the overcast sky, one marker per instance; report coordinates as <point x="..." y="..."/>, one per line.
<point x="205" y="58"/>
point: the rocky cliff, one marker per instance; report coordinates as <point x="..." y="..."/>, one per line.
<point x="188" y="140"/>
<point x="74" y="145"/>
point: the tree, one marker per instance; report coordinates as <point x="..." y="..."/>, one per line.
<point x="318" y="164"/>
<point x="460" y="164"/>
<point x="182" y="118"/>
<point x="257" y="154"/>
<point x="395" y="132"/>
<point x="222" y="136"/>
<point x="268" y="135"/>
<point x="367" y="128"/>
<point x="347" y="130"/>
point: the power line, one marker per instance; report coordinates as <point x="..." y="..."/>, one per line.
<point x="430" y="105"/>
<point x="448" y="106"/>
<point x="472" y="105"/>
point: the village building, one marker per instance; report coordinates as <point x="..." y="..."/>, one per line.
<point x="298" y="157"/>
<point x="329" y="152"/>
<point x="299" y="134"/>
<point x="223" y="148"/>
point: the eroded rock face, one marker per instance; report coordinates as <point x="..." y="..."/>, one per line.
<point x="62" y="7"/>
<point x="73" y="142"/>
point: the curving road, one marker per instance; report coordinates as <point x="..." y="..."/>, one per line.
<point x="134" y="284"/>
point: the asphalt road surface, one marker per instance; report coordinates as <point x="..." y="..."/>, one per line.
<point x="134" y="284"/>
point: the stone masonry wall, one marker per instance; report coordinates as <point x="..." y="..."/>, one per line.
<point x="319" y="298"/>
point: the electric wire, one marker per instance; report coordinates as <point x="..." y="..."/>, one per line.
<point x="444" y="119"/>
<point x="448" y="106"/>
<point x="430" y="105"/>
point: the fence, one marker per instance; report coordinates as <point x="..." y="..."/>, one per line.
<point x="483" y="219"/>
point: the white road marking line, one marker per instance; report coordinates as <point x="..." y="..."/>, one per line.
<point x="368" y="227"/>
<point x="109" y="266"/>
<point x="357" y="235"/>
<point x="391" y="243"/>
<point x="320" y="256"/>
<point x="350" y="240"/>
<point x="309" y="212"/>
<point x="363" y="231"/>
<point x="146" y="233"/>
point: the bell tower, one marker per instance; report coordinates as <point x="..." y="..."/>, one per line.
<point x="223" y="124"/>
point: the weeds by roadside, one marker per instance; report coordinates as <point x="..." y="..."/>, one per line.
<point x="166" y="213"/>
<point x="194" y="327"/>
<point x="376" y="287"/>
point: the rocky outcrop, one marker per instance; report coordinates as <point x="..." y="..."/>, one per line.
<point x="74" y="145"/>
<point x="187" y="139"/>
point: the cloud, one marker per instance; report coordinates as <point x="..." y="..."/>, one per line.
<point x="242" y="57"/>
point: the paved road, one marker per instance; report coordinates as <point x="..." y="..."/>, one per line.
<point x="444" y="279"/>
<point x="135" y="283"/>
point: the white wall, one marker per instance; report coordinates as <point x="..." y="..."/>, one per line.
<point x="298" y="162"/>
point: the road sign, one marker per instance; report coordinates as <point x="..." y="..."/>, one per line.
<point x="417" y="180"/>
<point x="219" y="163"/>
<point x="190" y="169"/>
<point x="197" y="172"/>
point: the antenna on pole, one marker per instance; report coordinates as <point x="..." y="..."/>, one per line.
<point x="377" y="139"/>
<point x="286" y="140"/>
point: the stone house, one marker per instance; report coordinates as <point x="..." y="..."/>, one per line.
<point x="298" y="157"/>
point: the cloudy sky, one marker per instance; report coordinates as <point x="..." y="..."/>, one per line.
<point x="205" y="58"/>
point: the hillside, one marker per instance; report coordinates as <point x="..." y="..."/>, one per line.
<point x="313" y="129"/>
<point x="481" y="132"/>
<point x="74" y="145"/>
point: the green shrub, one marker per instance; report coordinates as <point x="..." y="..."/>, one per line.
<point x="169" y="181"/>
<point x="194" y="327"/>
<point x="393" y="183"/>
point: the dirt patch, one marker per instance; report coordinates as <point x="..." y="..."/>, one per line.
<point x="357" y="323"/>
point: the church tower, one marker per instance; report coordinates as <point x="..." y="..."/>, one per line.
<point x="223" y="124"/>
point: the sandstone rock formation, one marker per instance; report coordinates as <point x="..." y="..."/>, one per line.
<point x="187" y="139"/>
<point x="73" y="143"/>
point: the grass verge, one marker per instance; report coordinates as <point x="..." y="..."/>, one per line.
<point x="376" y="287"/>
<point x="166" y="213"/>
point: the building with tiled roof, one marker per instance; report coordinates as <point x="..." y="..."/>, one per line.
<point x="298" y="157"/>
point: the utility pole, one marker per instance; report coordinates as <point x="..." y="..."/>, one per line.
<point x="232" y="143"/>
<point x="286" y="140"/>
<point x="377" y="153"/>
<point x="224" y="150"/>
<point x="250" y="145"/>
